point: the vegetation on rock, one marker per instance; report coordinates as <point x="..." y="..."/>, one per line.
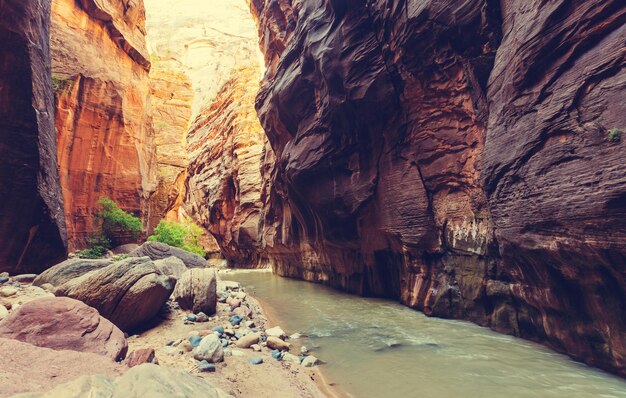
<point x="116" y="224"/>
<point x="615" y="135"/>
<point x="184" y="235"/>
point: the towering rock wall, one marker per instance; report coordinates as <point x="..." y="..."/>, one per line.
<point x="453" y="155"/>
<point x="32" y="225"/>
<point x="171" y="102"/>
<point x="226" y="146"/>
<point x="105" y="139"/>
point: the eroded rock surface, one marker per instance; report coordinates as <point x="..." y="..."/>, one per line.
<point x="129" y="292"/>
<point x="453" y="155"/>
<point x="145" y="380"/>
<point x="63" y="323"/>
<point x="226" y="145"/>
<point x="104" y="129"/>
<point x="158" y="251"/>
<point x="39" y="369"/>
<point x="196" y="290"/>
<point x="32" y="224"/>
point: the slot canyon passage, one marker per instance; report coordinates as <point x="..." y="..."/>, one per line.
<point x="428" y="198"/>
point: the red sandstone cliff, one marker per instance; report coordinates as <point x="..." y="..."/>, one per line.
<point x="453" y="155"/>
<point x="103" y="115"/>
<point x="32" y="225"/>
<point x="171" y="102"/>
<point x="226" y="146"/>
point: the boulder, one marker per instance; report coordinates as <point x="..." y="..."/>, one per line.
<point x="140" y="356"/>
<point x="158" y="251"/>
<point x="277" y="344"/>
<point x="8" y="291"/>
<point x="125" y="249"/>
<point x="210" y="349"/>
<point x="287" y="357"/>
<point x="35" y="368"/>
<point x="248" y="340"/>
<point x="276" y="331"/>
<point x="309" y="361"/>
<point x="68" y="270"/>
<point x="63" y="323"/>
<point x="196" y="291"/>
<point x="129" y="292"/>
<point x="172" y="266"/>
<point x="255" y="360"/>
<point x="24" y="278"/>
<point x="147" y="380"/>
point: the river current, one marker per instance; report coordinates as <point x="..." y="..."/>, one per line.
<point x="379" y="348"/>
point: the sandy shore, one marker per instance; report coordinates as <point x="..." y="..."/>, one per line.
<point x="235" y="375"/>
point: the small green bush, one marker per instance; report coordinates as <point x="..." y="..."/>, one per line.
<point x="115" y="220"/>
<point x="184" y="235"/>
<point x="60" y="84"/>
<point x="615" y="135"/>
<point x="98" y="247"/>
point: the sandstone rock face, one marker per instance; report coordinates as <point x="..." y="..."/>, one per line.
<point x="158" y="250"/>
<point x="129" y="292"/>
<point x="453" y="155"/>
<point x="200" y="38"/>
<point x="68" y="270"/>
<point x="105" y="139"/>
<point x="196" y="291"/>
<point x="226" y="145"/>
<point x="32" y="225"/>
<point x="146" y="380"/>
<point x="62" y="323"/>
<point x="171" y="104"/>
<point x="42" y="369"/>
<point x="171" y="266"/>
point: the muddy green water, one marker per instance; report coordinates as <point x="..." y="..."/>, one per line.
<point x="378" y="348"/>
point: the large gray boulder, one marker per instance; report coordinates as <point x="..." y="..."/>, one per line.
<point x="68" y="270"/>
<point x="196" y="290"/>
<point x="158" y="250"/>
<point x="172" y="266"/>
<point x="141" y="381"/>
<point x="129" y="292"/>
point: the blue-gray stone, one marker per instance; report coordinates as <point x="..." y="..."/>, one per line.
<point x="205" y="366"/>
<point x="224" y="343"/>
<point x="222" y="299"/>
<point x="191" y="318"/>
<point x="236" y="319"/>
<point x="277" y="355"/>
<point x="218" y="329"/>
<point x="255" y="360"/>
<point x="195" y="340"/>
<point x="4" y="279"/>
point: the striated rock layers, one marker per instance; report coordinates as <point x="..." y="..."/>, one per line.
<point x="455" y="156"/>
<point x="32" y="225"/>
<point x="226" y="145"/>
<point x="103" y="118"/>
<point x="171" y="103"/>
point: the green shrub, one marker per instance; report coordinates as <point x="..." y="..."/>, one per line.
<point x="98" y="247"/>
<point x="184" y="235"/>
<point x="615" y="135"/>
<point x="116" y="221"/>
<point x="60" y="84"/>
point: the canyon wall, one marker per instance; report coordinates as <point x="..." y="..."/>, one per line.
<point x="32" y="225"/>
<point x="172" y="96"/>
<point x="455" y="156"/>
<point x="106" y="147"/>
<point x="226" y="146"/>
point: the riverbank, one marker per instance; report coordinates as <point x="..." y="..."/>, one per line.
<point x="169" y="337"/>
<point x="236" y="375"/>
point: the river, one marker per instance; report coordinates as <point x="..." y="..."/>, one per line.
<point x="379" y="348"/>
